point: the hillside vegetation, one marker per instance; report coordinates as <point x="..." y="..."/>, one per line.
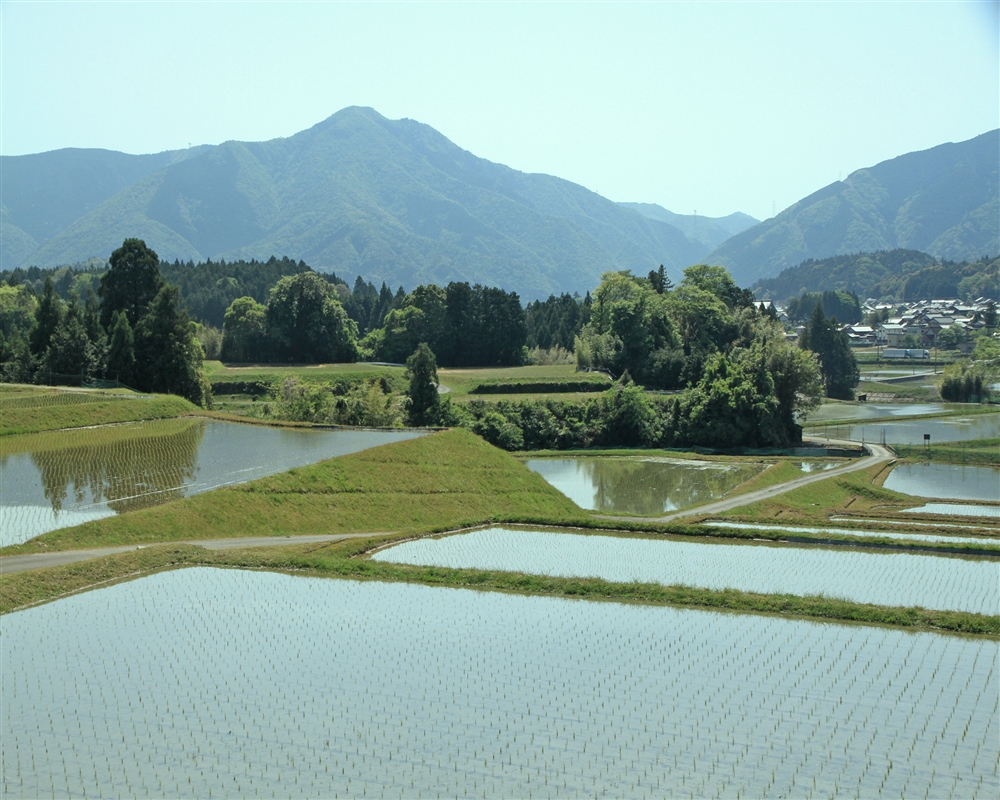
<point x="901" y="275"/>
<point x="944" y="201"/>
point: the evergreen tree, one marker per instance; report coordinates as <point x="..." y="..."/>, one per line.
<point x="121" y="351"/>
<point x="307" y="322"/>
<point x="131" y="282"/>
<point x="837" y="362"/>
<point x="168" y="355"/>
<point x="421" y="369"/>
<point x="48" y="315"/>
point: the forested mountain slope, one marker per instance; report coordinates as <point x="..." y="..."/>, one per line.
<point x="944" y="201"/>
<point x="45" y="193"/>
<point x="393" y="200"/>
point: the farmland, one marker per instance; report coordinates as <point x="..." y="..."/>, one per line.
<point x="308" y="687"/>
<point x="615" y="657"/>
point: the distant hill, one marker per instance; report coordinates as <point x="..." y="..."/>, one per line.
<point x="44" y="194"/>
<point x="393" y="200"/>
<point x="891" y="274"/>
<point x="859" y="273"/>
<point x="944" y="201"/>
<point x="710" y="231"/>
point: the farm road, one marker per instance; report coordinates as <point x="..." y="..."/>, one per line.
<point x="879" y="455"/>
<point x="41" y="560"/>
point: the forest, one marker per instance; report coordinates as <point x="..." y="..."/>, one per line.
<point x="734" y="377"/>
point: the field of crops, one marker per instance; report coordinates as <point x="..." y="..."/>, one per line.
<point x="888" y="579"/>
<point x="199" y="683"/>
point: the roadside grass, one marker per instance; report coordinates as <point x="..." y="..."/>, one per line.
<point x="21" y="589"/>
<point x="49" y="411"/>
<point x="976" y="451"/>
<point x="814" y="503"/>
<point x="441" y="481"/>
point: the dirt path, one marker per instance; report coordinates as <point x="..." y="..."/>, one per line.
<point x="11" y="564"/>
<point x="879" y="455"/>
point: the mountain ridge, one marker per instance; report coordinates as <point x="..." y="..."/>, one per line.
<point x="392" y="199"/>
<point x="944" y="201"/>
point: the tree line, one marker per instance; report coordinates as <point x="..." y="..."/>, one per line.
<point x="132" y="330"/>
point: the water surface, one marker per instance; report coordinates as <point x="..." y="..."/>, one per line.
<point x="63" y="478"/>
<point x="829" y="411"/>
<point x="947" y="481"/>
<point x="643" y="486"/>
<point x="254" y="684"/>
<point x="955" y="509"/>
<point x="947" y="429"/>
<point x="891" y="579"/>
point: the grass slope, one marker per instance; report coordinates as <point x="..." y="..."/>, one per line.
<point x="437" y="482"/>
<point x="36" y="411"/>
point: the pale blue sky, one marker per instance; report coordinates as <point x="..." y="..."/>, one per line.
<point x="719" y="107"/>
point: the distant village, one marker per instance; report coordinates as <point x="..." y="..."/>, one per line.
<point x="921" y="325"/>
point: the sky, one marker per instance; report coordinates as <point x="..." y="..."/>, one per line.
<point x="707" y="107"/>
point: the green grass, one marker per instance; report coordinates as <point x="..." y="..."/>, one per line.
<point x="217" y="372"/>
<point x="814" y="503"/>
<point x="26" y="412"/>
<point x="436" y="482"/>
<point x="977" y="451"/>
<point x="463" y="381"/>
<point x="901" y="390"/>
<point x="963" y="410"/>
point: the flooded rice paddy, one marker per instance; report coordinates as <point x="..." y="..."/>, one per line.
<point x="829" y="411"/>
<point x="64" y="478"/>
<point x="946" y="429"/>
<point x="955" y="509"/>
<point x="918" y="537"/>
<point x="890" y="579"/>
<point x="946" y="481"/>
<point x="203" y="682"/>
<point x="642" y="486"/>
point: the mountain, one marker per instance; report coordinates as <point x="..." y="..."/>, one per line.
<point x="44" y="193"/>
<point x="944" y="201"/>
<point x="393" y="200"/>
<point x="864" y="274"/>
<point x="710" y="231"/>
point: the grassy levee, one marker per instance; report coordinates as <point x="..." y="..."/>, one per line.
<point x="977" y="451"/>
<point x="96" y="409"/>
<point x="437" y="482"/>
<point x="217" y="372"/>
<point x="813" y="503"/>
<point x="26" y="588"/>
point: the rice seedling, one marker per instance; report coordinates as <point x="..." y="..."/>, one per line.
<point x="890" y="579"/>
<point x="206" y="682"/>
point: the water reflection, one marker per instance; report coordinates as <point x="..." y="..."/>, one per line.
<point x="56" y="480"/>
<point x="646" y="487"/>
<point x="947" y="429"/>
<point x="947" y="481"/>
<point x="126" y="474"/>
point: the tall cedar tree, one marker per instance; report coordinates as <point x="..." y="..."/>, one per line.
<point x="48" y="315"/>
<point x="168" y="355"/>
<point x="121" y="351"/>
<point x="421" y="369"/>
<point x="837" y="363"/>
<point x="131" y="282"/>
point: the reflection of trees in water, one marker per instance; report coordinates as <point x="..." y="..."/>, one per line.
<point x="127" y="473"/>
<point x="652" y="487"/>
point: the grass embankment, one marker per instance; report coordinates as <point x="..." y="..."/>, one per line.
<point x="902" y="391"/>
<point x="977" y="451"/>
<point x="36" y="411"/>
<point x="437" y="482"/>
<point x="561" y="381"/>
<point x="814" y="503"/>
